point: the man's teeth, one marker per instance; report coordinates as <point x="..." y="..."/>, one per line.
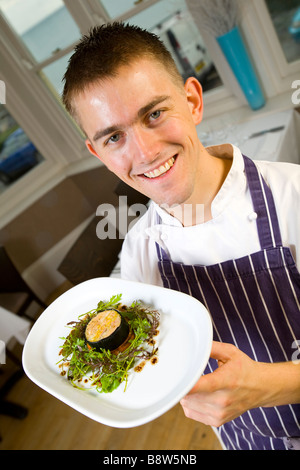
<point x="161" y="170"/>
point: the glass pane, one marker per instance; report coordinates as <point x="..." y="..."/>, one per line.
<point x="44" y="27"/>
<point x="53" y="74"/>
<point x="115" y="8"/>
<point x="286" y="19"/>
<point x="172" y="22"/>
<point x="18" y="155"/>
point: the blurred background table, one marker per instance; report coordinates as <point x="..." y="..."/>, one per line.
<point x="12" y="326"/>
<point x="275" y="137"/>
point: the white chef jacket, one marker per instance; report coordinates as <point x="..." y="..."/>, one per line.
<point x="230" y="234"/>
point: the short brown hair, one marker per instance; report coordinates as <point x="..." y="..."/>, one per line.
<point x="109" y="46"/>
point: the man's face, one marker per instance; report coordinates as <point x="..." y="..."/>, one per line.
<point x="141" y="125"/>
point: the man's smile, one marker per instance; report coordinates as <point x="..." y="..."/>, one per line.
<point x="162" y="169"/>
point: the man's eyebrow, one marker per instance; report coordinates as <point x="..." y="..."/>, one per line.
<point x="104" y="132"/>
<point x="144" y="110"/>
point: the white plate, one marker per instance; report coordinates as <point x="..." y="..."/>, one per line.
<point x="184" y="343"/>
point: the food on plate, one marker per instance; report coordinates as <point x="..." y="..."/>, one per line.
<point x="107" y="330"/>
<point x="106" y="343"/>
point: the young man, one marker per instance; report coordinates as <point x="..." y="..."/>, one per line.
<point x="219" y="228"/>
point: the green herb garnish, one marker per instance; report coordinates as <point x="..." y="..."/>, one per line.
<point x="105" y="370"/>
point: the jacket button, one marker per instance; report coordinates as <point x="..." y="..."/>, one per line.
<point x="252" y="216"/>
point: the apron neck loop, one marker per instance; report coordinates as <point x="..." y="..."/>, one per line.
<point x="264" y="206"/>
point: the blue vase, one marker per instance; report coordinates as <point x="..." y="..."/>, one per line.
<point x="234" y="49"/>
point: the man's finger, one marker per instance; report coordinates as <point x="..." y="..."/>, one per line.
<point x="222" y="352"/>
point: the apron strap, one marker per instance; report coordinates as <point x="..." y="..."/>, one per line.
<point x="161" y="253"/>
<point x="263" y="204"/>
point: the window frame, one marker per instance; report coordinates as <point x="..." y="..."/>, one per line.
<point x="52" y="133"/>
<point x="264" y="44"/>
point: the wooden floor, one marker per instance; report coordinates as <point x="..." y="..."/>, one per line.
<point x="52" y="425"/>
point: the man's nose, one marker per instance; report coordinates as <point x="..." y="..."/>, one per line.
<point x="144" y="145"/>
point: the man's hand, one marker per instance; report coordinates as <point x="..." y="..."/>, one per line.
<point x="239" y="384"/>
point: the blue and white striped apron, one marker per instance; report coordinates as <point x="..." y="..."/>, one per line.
<point x="254" y="302"/>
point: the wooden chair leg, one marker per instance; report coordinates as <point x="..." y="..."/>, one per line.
<point x="7" y="407"/>
<point x="14" y="410"/>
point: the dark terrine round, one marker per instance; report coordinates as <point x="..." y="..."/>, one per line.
<point x="107" y="330"/>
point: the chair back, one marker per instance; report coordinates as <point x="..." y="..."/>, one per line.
<point x="10" y="278"/>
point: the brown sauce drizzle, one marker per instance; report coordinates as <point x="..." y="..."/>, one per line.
<point x="140" y="367"/>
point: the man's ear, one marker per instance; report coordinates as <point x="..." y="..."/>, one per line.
<point x="91" y="149"/>
<point x="193" y="90"/>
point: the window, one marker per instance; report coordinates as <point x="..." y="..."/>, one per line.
<point x="286" y="20"/>
<point x="172" y="22"/>
<point x="115" y="8"/>
<point x="46" y="29"/>
<point x="41" y="26"/>
<point x="276" y="52"/>
<point x="18" y="154"/>
<point x="34" y="49"/>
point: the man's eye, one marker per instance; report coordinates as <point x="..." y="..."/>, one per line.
<point x="113" y="139"/>
<point x="155" y="114"/>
